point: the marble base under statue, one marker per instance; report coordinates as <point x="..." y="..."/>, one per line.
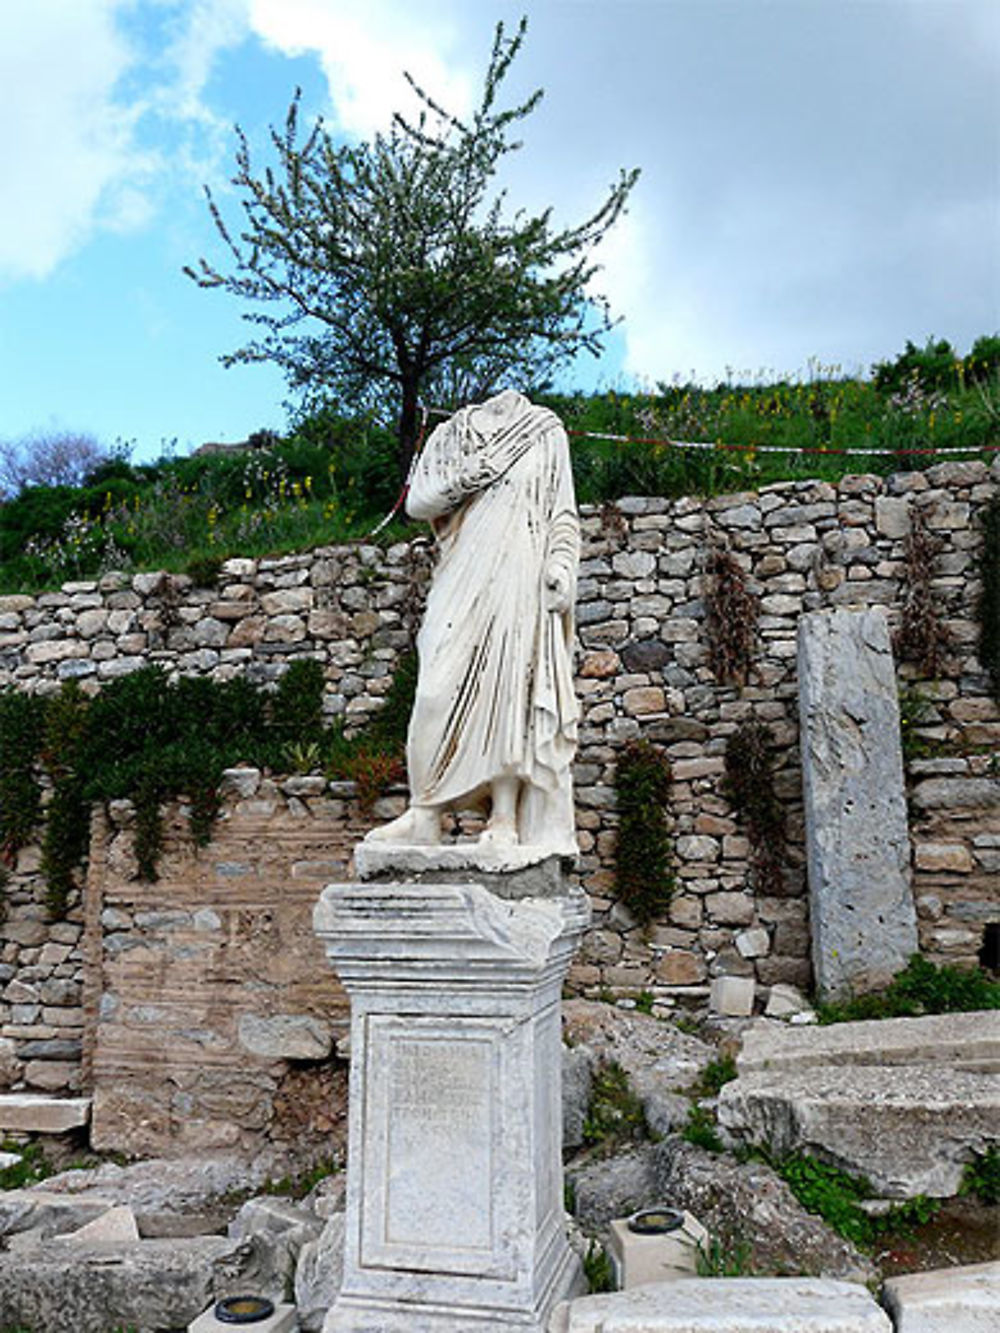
<point x="455" y="1219"/>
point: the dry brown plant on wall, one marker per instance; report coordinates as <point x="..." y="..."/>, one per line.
<point x="922" y="636"/>
<point x="732" y="612"/>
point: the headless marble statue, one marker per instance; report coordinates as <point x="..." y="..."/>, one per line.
<point x="495" y="716"/>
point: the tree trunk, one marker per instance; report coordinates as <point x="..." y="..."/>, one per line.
<point x="409" y="415"/>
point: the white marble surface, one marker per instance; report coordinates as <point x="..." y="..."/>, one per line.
<point x="494" y="723"/>
<point x="861" y="910"/>
<point x="728" y="1305"/>
<point x="380" y="858"/>
<point x="454" y="1198"/>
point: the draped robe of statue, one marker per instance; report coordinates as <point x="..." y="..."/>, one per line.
<point x="495" y="696"/>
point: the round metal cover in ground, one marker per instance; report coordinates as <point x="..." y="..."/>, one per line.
<point x="244" y="1310"/>
<point x="656" y="1221"/>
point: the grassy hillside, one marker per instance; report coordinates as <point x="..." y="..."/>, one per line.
<point x="331" y="478"/>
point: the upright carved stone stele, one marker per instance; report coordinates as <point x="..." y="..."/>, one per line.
<point x="862" y="914"/>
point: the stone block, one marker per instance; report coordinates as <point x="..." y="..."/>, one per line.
<point x="285" y="1036"/>
<point x="946" y="1300"/>
<point x="947" y="857"/>
<point x="754" y="943"/>
<point x="283" y="1320"/>
<point x="115" y="1227"/>
<point x="863" y="919"/>
<point x="28" y="1112"/>
<point x="641" y="1258"/>
<point x="732" y="997"/>
<point x="910" y="1129"/>
<point x="964" y="1041"/>
<point x="733" y="1305"/>
<point x="783" y="1001"/>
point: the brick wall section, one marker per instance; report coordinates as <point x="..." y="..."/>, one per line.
<point x="642" y="672"/>
<point x="207" y="988"/>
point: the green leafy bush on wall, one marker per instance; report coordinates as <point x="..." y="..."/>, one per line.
<point x="643" y="873"/>
<point x="148" y="739"/>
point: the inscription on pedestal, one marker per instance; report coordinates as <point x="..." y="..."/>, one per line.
<point x="440" y="1163"/>
<point x="434" y="1106"/>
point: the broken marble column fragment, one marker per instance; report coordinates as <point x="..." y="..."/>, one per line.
<point x="862" y="914"/>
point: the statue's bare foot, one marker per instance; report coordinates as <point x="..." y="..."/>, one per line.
<point x="499" y="833"/>
<point x="420" y="826"/>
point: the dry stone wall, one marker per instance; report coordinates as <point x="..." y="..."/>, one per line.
<point x="643" y="671"/>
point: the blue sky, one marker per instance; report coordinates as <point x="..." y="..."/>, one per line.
<point x="820" y="180"/>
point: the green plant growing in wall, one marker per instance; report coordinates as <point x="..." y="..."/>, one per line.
<point x="21" y="728"/>
<point x="749" y="785"/>
<point x="732" y="615"/>
<point x="643" y="855"/>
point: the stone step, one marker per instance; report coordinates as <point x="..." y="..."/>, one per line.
<point x="909" y="1128"/>
<point x="34" y="1113"/>
<point x="947" y="1300"/>
<point x="727" y="1305"/>
<point x="964" y="1041"/>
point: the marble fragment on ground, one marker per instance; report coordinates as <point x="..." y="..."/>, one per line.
<point x="728" y="1305"/>
<point x="911" y="1129"/>
<point x="947" y="1300"/>
<point x="861" y="910"/>
<point x="968" y="1041"/>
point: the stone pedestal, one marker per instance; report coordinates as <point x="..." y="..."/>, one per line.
<point x="455" y="1217"/>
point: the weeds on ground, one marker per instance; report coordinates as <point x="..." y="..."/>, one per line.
<point x="718" y="1260"/>
<point x="981" y="1177"/>
<point x="32" y="1168"/>
<point x="700" y="1129"/>
<point x="715" y="1075"/>
<point x="297" y="1187"/>
<point x="615" y="1115"/>
<point x="598" y="1269"/>
<point x="836" y="1196"/>
<point x="922" y="987"/>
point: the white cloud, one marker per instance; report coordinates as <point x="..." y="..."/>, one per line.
<point x="68" y="154"/>
<point x="364" y="46"/>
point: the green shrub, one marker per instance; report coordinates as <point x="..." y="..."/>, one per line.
<point x="922" y="987"/>
<point x="598" y="1269"/>
<point x="615" y="1115"/>
<point x="700" y="1129"/>
<point x="715" y="1076"/>
<point x="21" y="730"/>
<point x="982" y="1176"/>
<point x="643" y="856"/>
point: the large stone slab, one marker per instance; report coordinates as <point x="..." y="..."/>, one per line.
<point x="727" y="1305"/>
<point x="963" y="1041"/>
<point x="947" y="1300"/>
<point x="909" y="1128"/>
<point x="30" y="1113"/>
<point x="454" y="1219"/>
<point x="863" y="919"/>
<point x="64" y="1287"/>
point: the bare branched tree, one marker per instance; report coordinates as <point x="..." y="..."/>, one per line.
<point x="63" y="458"/>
